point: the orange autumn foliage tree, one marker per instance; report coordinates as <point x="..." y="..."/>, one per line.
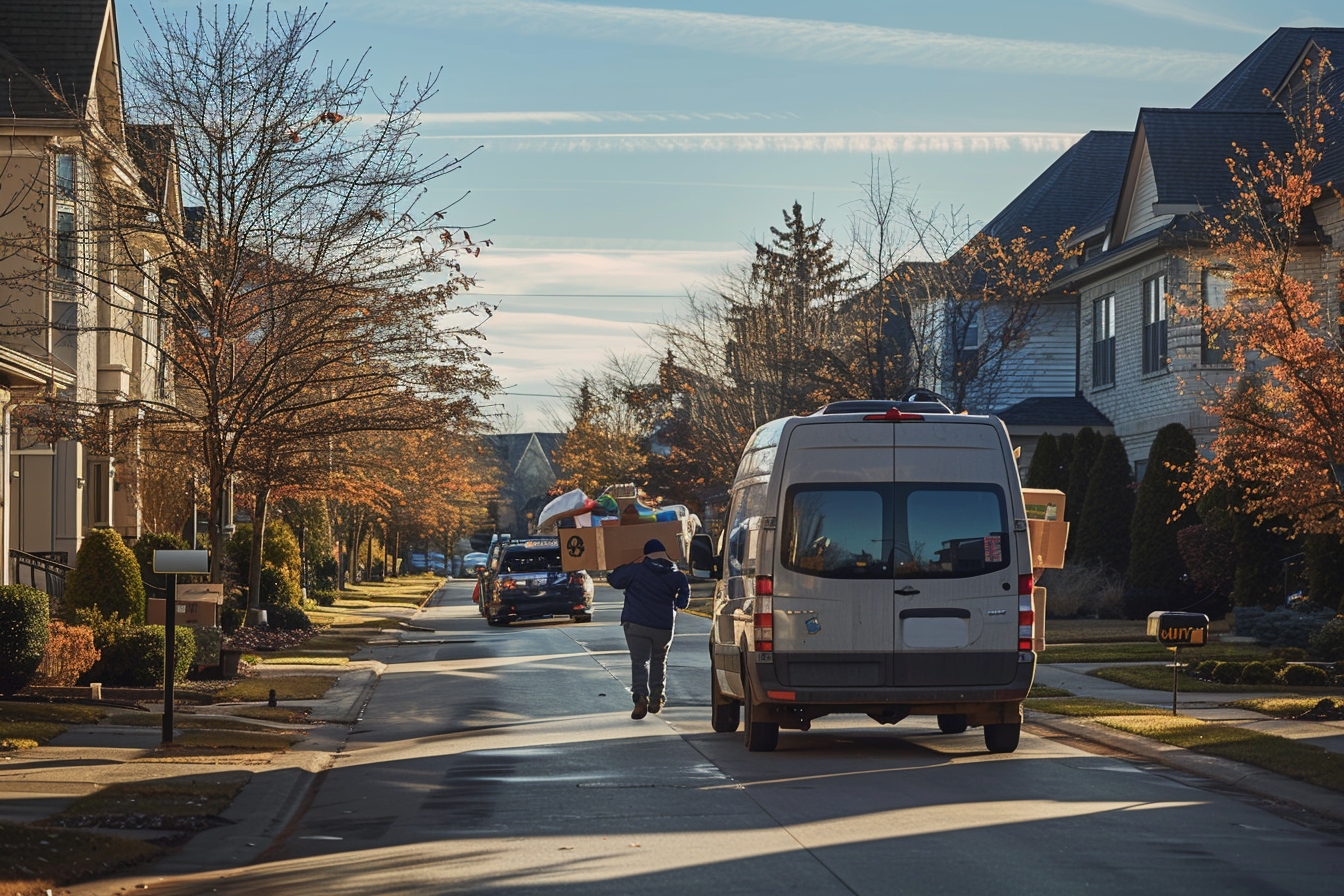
<point x="1282" y="411"/>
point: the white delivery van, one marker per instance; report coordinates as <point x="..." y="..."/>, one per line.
<point x="874" y="560"/>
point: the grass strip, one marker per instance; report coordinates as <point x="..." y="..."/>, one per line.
<point x="290" y="715"/>
<point x="1089" y="707"/>
<point x="155" y="803"/>
<point x="1145" y="651"/>
<point x="304" y="660"/>
<point x="27" y="735"/>
<point x="38" y="859"/>
<point x="1158" y="678"/>
<point x="1287" y="707"/>
<point x="61" y="713"/>
<point x="1040" y="690"/>
<point x="232" y="741"/>
<point x="187" y="722"/>
<point x="287" y="687"/>
<point x="325" y="644"/>
<point x="1303" y="762"/>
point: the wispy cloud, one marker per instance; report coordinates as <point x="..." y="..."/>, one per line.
<point x="811" y="40"/>
<point x="832" y="142"/>
<point x="562" y="117"/>
<point x="1190" y="13"/>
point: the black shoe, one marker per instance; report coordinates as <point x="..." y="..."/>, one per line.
<point x="641" y="708"/>
<point x="655" y="704"/>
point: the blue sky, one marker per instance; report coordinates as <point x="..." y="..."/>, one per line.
<point x="631" y="151"/>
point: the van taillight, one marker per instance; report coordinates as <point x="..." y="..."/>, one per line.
<point x="1026" y="621"/>
<point x="763" y="621"/>
<point x="765" y="586"/>
<point x="1025" y="584"/>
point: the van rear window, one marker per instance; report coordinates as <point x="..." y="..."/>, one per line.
<point x="895" y="530"/>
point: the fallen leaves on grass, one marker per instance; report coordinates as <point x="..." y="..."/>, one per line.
<point x="259" y="638"/>
<point x="174" y="804"/>
<point x="36" y="859"/>
<point x="286" y="687"/>
<point x="27" y="735"/>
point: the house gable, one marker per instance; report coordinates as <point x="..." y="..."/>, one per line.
<point x="58" y="43"/>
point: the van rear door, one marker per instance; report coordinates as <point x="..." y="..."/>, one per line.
<point x="955" y="563"/>
<point x="832" y="587"/>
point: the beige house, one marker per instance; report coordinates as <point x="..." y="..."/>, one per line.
<point x="78" y="353"/>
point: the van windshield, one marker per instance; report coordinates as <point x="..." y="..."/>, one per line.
<point x="895" y="530"/>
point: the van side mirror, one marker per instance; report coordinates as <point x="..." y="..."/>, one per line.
<point x="704" y="565"/>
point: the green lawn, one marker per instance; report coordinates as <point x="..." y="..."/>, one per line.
<point x="1158" y="678"/>
<point x="1283" y="707"/>
<point x="39" y="859"/>
<point x="1145" y="651"/>
<point x="287" y="687"/>
<point x="25" y="725"/>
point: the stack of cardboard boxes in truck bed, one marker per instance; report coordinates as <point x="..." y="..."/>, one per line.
<point x="1048" y="534"/>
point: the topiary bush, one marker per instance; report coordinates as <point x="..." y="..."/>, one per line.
<point x="1202" y="669"/>
<point x="1227" y="673"/>
<point x="106" y="579"/>
<point x="23" y="635"/>
<point x="1328" y="641"/>
<point x="325" y="597"/>
<point x="1256" y="673"/>
<point x="69" y="654"/>
<point x="287" y="618"/>
<point x="131" y="654"/>
<point x="278" y="589"/>
<point x="1300" y="675"/>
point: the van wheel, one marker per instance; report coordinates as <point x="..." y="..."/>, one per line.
<point x="1003" y="738"/>
<point x="760" y="737"/>
<point x="952" y="722"/>
<point x="725" y="714"/>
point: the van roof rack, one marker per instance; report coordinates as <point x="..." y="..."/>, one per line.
<point x="878" y="406"/>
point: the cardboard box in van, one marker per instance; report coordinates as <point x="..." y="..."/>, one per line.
<point x="1046" y="529"/>
<point x="607" y="547"/>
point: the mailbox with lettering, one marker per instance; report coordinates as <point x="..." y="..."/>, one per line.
<point x="1179" y="629"/>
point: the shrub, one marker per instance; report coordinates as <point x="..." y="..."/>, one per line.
<point x="1045" y="463"/>
<point x="1203" y="669"/>
<point x="1282" y="626"/>
<point x="132" y="654"/>
<point x="208" y="642"/>
<point x="1328" y="641"/>
<point x="1157" y="575"/>
<point x="280" y="549"/>
<point x="1103" y="529"/>
<point x="1256" y="673"/>
<point x="69" y="654"/>
<point x="106" y="578"/>
<point x="1300" y="675"/>
<point x="231" y="617"/>
<point x="279" y="589"/>
<point x="144" y="549"/>
<point x="1324" y="555"/>
<point x="287" y="618"/>
<point x="1086" y="447"/>
<point x="1227" y="673"/>
<point x="1082" y="590"/>
<point x="325" y="573"/>
<point x="325" y="597"/>
<point x="23" y="635"/>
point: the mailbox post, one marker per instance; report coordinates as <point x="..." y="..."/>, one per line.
<point x="1177" y="630"/>
<point x="174" y="563"/>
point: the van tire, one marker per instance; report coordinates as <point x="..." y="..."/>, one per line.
<point x="952" y="722"/>
<point x="1003" y="738"/>
<point x="725" y="713"/>
<point x="759" y="737"/>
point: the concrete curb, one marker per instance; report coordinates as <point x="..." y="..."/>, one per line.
<point x="1254" y="780"/>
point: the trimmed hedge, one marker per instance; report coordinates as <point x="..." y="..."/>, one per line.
<point x="132" y="654"/>
<point x="325" y="597"/>
<point x="287" y="618"/>
<point x="106" y="579"/>
<point x="23" y="635"/>
<point x="1299" y="676"/>
<point x="1328" y="641"/>
<point x="1257" y="673"/>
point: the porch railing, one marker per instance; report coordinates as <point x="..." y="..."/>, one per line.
<point x="40" y="573"/>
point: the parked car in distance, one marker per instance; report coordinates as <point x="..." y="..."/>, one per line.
<point x="529" y="583"/>
<point x="473" y="564"/>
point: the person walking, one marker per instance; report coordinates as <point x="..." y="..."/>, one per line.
<point x="654" y="590"/>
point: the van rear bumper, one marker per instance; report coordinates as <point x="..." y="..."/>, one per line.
<point x="901" y="678"/>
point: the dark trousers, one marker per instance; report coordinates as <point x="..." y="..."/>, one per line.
<point x="648" y="659"/>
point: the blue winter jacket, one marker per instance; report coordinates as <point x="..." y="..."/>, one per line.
<point x="654" y="590"/>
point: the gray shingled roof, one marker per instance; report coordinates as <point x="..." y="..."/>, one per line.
<point x="1189" y="149"/>
<point x="1268" y="66"/>
<point x="1061" y="412"/>
<point x="1331" y="169"/>
<point x="52" y="39"/>
<point x="1071" y="191"/>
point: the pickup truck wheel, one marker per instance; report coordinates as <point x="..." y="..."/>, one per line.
<point x="1003" y="738"/>
<point x="952" y="723"/>
<point x="760" y="737"/>
<point x="725" y="713"/>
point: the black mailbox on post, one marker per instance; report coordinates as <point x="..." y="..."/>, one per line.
<point x="1179" y="629"/>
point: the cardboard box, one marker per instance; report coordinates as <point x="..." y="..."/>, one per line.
<point x="1044" y="503"/>
<point x="607" y="547"/>
<point x="1048" y="540"/>
<point x="1038" y="619"/>
<point x="196" y="605"/>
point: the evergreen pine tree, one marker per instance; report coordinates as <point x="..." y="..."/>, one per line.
<point x="1044" y="468"/>
<point x="1325" y="569"/>
<point x="1102" y="533"/>
<point x="1086" y="447"/>
<point x="1064" y="444"/>
<point x="1157" y="578"/>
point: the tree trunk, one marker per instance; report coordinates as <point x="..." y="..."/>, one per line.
<point x="258" y="537"/>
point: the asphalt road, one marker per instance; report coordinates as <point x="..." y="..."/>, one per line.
<point x="504" y="761"/>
